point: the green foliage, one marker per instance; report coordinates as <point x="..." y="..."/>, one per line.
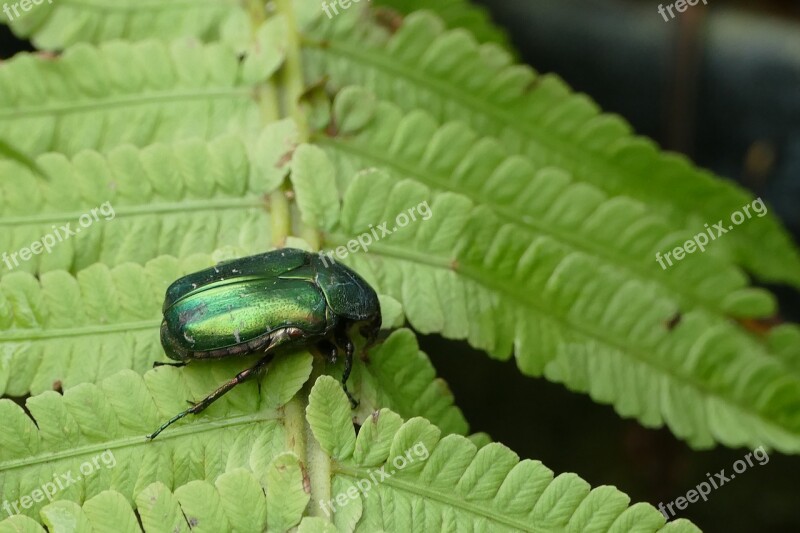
<point x="218" y="129"/>
<point x="469" y="274"/>
<point x="454" y="13"/>
<point x="244" y="483"/>
<point x="120" y="92"/>
<point x="181" y="198"/>
<point x="83" y="328"/>
<point x="68" y="22"/>
<point x="453" y="77"/>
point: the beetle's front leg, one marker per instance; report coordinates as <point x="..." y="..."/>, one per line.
<point x="349" y="350"/>
<point x="201" y="406"/>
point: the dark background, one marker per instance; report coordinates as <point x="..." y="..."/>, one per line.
<point x="720" y="83"/>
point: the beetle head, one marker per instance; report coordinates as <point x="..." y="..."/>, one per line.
<point x="349" y="296"/>
<point x="370" y="330"/>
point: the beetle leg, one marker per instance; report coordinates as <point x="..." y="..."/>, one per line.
<point x="328" y="350"/>
<point x="159" y="363"/>
<point x="200" y="406"/>
<point x="349" y="349"/>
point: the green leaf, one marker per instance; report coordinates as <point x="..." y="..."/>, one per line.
<point x="455" y="14"/>
<point x="154" y="93"/>
<point x="273" y="152"/>
<point x="453" y="77"/>
<point x="391" y="312"/>
<point x="287" y="497"/>
<point x="400" y="376"/>
<point x="330" y="418"/>
<point x="110" y="511"/>
<point x="314" y="180"/>
<point x="55" y="25"/>
<point x="20" y="524"/>
<point x="242" y="500"/>
<point x="353" y="109"/>
<point x="96" y="432"/>
<point x="268" y="52"/>
<point x="61" y="517"/>
<point x="285" y="377"/>
<point x="12" y="154"/>
<point x="454" y="485"/>
<point x="375" y="437"/>
<point x="61" y="330"/>
<point x="215" y="473"/>
<point x="547" y="202"/>
<point x="134" y="205"/>
<point x="477" y="277"/>
<point x="159" y="510"/>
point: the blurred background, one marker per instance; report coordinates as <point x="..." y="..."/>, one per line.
<point x="720" y="83"/>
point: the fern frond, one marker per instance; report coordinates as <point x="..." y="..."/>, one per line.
<point x="456" y="14"/>
<point x="236" y="501"/>
<point x="616" y="231"/>
<point x="400" y="376"/>
<point x="244" y="477"/>
<point x="471" y="275"/>
<point x="56" y="25"/>
<point x="102" y="97"/>
<point x="241" y="430"/>
<point x="63" y="330"/>
<point x="443" y="484"/>
<point x="244" y="429"/>
<point x="450" y="75"/>
<point x="180" y="198"/>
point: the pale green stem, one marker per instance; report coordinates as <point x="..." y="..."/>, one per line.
<point x="293" y="85"/>
<point x="300" y="438"/>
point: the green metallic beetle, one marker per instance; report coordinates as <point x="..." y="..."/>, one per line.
<point x="281" y="300"/>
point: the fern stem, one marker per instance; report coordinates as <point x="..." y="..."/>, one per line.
<point x="293" y="81"/>
<point x="300" y="440"/>
<point x="280" y="216"/>
<point x="292" y="72"/>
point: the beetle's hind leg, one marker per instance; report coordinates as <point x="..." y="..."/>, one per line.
<point x="201" y="406"/>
